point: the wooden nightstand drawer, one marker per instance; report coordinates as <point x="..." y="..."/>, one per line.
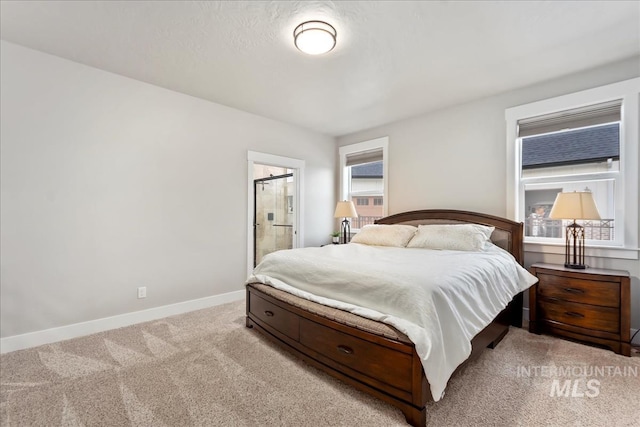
<point x="605" y="294"/>
<point x="605" y="319"/>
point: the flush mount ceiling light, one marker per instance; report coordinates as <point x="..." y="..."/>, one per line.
<point x="314" y="37"/>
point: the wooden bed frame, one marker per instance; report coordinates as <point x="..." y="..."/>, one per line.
<point x="389" y="369"/>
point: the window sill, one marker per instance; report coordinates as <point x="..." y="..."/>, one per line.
<point x="590" y="251"/>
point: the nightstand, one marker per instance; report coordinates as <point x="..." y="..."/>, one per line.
<point x="591" y="306"/>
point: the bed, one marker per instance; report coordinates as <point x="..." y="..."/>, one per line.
<point x="370" y="353"/>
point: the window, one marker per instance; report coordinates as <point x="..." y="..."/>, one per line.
<point x="582" y="155"/>
<point x="363" y="179"/>
<point x="578" y="142"/>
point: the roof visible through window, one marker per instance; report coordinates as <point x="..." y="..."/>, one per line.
<point x="586" y="145"/>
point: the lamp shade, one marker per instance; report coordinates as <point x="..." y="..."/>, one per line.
<point x="575" y="205"/>
<point x="345" y="209"/>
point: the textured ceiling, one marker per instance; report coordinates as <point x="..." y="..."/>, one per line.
<point x="393" y="60"/>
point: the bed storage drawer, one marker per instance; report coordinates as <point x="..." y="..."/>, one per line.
<point x="373" y="360"/>
<point x="274" y="316"/>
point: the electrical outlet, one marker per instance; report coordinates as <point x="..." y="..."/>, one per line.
<point x="142" y="292"/>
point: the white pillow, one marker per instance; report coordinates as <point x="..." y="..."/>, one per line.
<point x="397" y="235"/>
<point x="457" y="237"/>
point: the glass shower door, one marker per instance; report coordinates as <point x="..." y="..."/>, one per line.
<point x="273" y="225"/>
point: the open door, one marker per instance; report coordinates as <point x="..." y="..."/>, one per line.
<point x="283" y="197"/>
<point x="274" y="216"/>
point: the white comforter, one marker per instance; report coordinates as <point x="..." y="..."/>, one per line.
<point x="440" y="299"/>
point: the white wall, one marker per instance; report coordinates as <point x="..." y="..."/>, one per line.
<point x="109" y="184"/>
<point x="455" y="158"/>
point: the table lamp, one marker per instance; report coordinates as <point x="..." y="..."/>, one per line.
<point x="345" y="209"/>
<point x="573" y="206"/>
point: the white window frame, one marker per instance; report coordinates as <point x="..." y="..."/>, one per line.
<point x="345" y="172"/>
<point x="626" y="218"/>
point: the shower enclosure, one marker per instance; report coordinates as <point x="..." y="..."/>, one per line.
<point x="273" y="225"/>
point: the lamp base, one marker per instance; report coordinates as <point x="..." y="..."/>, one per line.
<point x="576" y="266"/>
<point x="345" y="232"/>
<point x="574" y="247"/>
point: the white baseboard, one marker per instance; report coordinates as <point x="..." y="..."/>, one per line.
<point x="47" y="336"/>
<point x="525" y="314"/>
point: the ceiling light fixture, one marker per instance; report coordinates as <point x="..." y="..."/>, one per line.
<point x="314" y="37"/>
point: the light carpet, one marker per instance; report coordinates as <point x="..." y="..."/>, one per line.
<point x="206" y="368"/>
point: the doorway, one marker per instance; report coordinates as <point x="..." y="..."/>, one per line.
<point x="273" y="213"/>
<point x="283" y="197"/>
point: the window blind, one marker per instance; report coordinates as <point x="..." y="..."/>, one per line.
<point x="362" y="157"/>
<point x="591" y="115"/>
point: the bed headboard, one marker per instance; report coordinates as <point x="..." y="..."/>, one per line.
<point x="508" y="234"/>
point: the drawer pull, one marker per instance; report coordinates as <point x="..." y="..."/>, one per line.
<point x="268" y="313"/>
<point x="574" y="291"/>
<point x="573" y="314"/>
<point x="344" y="349"/>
